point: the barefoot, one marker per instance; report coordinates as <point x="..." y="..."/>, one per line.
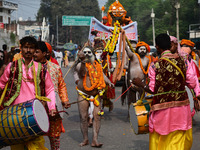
<point x="95" y="144"/>
<point x="86" y="142"/>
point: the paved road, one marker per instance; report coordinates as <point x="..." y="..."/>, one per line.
<point x="115" y="132"/>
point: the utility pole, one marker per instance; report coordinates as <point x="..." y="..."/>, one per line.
<point x="57" y="28"/>
<point x="177" y="6"/>
<point x="153" y="27"/>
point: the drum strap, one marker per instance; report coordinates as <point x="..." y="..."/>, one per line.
<point x="164" y="58"/>
<point x="42" y="98"/>
<point x="3" y="94"/>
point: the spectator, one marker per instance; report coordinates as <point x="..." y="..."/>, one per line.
<point x="2" y="65"/>
<point x="4" y="47"/>
<point x="59" y="57"/>
<point x="11" y="54"/>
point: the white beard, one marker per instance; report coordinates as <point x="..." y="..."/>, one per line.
<point x="98" y="56"/>
<point x="90" y="59"/>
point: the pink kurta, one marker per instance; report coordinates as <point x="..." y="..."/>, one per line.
<point x="175" y="118"/>
<point x="27" y="91"/>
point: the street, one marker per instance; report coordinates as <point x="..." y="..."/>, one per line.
<point x="115" y="132"/>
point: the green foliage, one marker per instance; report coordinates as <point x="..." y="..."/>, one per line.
<point x="138" y="10"/>
<point x="165" y="16"/>
<point x="53" y="8"/>
<point x="12" y="38"/>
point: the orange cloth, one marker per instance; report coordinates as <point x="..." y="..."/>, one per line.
<point x="187" y="42"/>
<point x="106" y="18"/>
<point x="56" y="128"/>
<point x="49" y="47"/>
<point x="139" y="44"/>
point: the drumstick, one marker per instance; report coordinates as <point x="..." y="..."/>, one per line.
<point x="61" y="112"/>
<point x="76" y="102"/>
<point x="69" y="104"/>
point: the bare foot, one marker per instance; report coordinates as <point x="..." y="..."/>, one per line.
<point x="95" y="144"/>
<point x="86" y="142"/>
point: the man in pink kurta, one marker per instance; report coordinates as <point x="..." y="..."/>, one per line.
<point x="19" y="76"/>
<point x="27" y="90"/>
<point x="170" y="120"/>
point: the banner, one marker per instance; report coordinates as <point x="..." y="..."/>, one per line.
<point x="1" y="26"/>
<point x="104" y="32"/>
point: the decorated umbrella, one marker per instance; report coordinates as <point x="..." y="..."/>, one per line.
<point x="69" y="46"/>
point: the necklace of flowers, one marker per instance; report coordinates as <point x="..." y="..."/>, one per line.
<point x="96" y="76"/>
<point x="94" y="100"/>
<point x="141" y="66"/>
<point x="115" y="36"/>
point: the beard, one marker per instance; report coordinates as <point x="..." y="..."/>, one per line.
<point x="142" y="54"/>
<point x="89" y="59"/>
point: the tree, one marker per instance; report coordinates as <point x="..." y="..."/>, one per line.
<point x="59" y="8"/>
<point x="165" y="16"/>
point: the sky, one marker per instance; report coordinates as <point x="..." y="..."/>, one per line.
<point x="27" y="9"/>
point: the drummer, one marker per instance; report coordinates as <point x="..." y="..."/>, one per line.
<point x="56" y="126"/>
<point x="19" y="78"/>
<point x="170" y="121"/>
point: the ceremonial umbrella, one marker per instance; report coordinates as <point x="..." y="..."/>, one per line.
<point x="69" y="46"/>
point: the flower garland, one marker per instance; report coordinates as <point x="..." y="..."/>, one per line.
<point x="95" y="75"/>
<point x="145" y="72"/>
<point x="108" y="43"/>
<point x="113" y="39"/>
<point x="114" y="36"/>
<point x="193" y="55"/>
<point x="93" y="99"/>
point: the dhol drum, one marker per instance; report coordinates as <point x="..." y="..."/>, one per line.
<point x="22" y="122"/>
<point x="139" y="117"/>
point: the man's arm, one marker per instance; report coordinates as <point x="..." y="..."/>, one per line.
<point x="107" y="81"/>
<point x="129" y="52"/>
<point x="76" y="77"/>
<point x="62" y="90"/>
<point x="5" y="76"/>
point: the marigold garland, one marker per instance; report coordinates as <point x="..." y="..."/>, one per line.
<point x="114" y="37"/>
<point x="94" y="100"/>
<point x="96" y="76"/>
<point x="193" y="55"/>
<point x="110" y="46"/>
<point x="141" y="66"/>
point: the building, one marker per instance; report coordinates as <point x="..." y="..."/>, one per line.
<point x="6" y="8"/>
<point x="36" y="29"/>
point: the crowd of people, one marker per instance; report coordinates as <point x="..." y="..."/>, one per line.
<point x="31" y="72"/>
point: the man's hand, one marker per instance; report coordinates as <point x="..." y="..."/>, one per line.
<point x="52" y="112"/>
<point x="111" y="85"/>
<point x="66" y="104"/>
<point x="81" y="55"/>
<point x="138" y="82"/>
<point x="76" y="82"/>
